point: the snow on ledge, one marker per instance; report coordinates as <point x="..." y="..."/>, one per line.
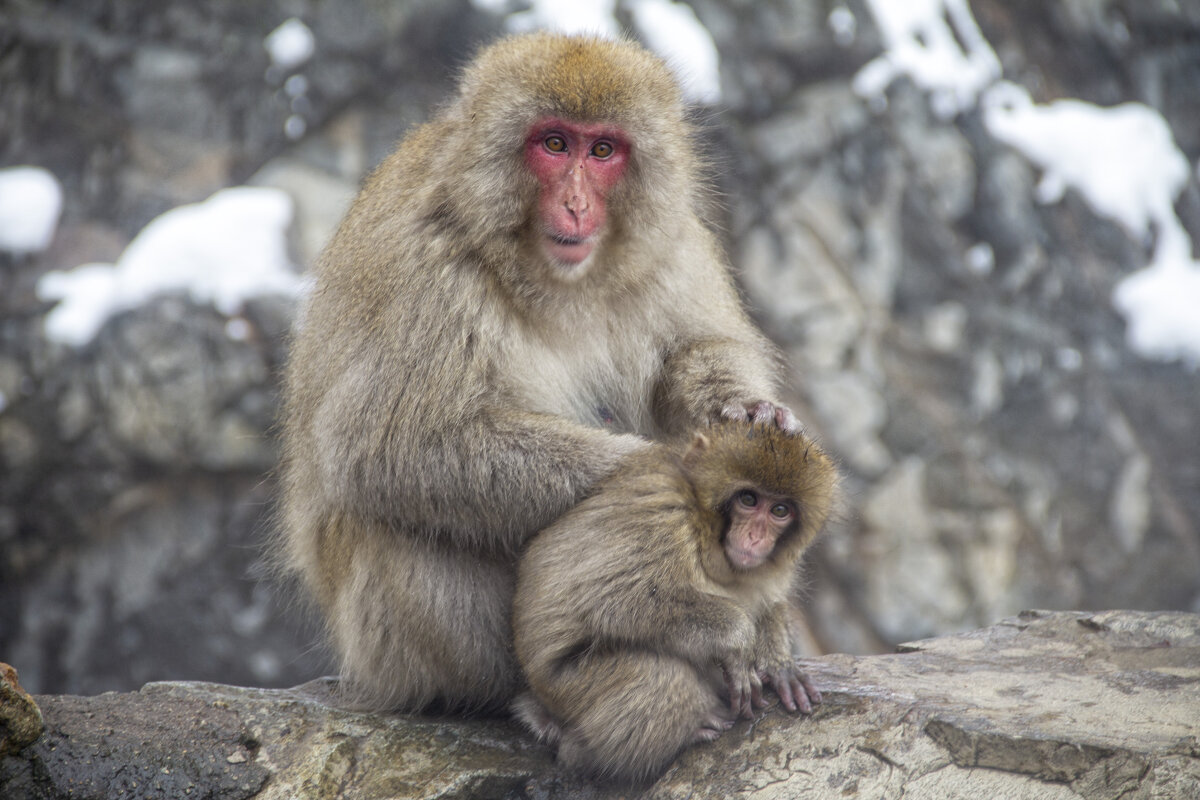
<point x="290" y="45"/>
<point x="671" y="29"/>
<point x="938" y="45"/>
<point x="223" y="251"/>
<point x="30" y="204"/>
<point x="1124" y="162"/>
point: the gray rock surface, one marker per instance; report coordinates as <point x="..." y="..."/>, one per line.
<point x="1043" y="706"/>
<point x="950" y="338"/>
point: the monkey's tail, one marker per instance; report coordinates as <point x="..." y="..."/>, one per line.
<point x="638" y="711"/>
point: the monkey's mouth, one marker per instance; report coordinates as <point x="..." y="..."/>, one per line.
<point x="569" y="249"/>
<point x="745" y="559"/>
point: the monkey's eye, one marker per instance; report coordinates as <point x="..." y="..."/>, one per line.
<point x="747" y="498"/>
<point x="555" y="144"/>
<point x="781" y="511"/>
<point x="602" y="149"/>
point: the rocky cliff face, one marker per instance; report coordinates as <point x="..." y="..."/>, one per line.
<point x="949" y="336"/>
<point x="955" y="338"/>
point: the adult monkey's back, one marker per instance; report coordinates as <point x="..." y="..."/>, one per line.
<point x="520" y="296"/>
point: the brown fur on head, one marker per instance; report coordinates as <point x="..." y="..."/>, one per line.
<point x="731" y="456"/>
<point x="586" y="79"/>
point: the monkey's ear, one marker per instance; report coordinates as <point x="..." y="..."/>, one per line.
<point x="699" y="445"/>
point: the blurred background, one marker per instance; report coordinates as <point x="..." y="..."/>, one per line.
<point x="969" y="226"/>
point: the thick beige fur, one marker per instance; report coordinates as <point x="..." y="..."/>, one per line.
<point x="628" y="612"/>
<point x="451" y="391"/>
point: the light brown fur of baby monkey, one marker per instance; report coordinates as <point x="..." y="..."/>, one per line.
<point x="523" y="294"/>
<point x="649" y="616"/>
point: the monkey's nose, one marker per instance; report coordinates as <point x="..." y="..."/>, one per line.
<point x="577" y="204"/>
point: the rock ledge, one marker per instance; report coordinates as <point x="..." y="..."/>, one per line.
<point x="1042" y="705"/>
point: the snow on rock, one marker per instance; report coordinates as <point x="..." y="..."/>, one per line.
<point x="1160" y="305"/>
<point x="671" y="29"/>
<point x="1124" y="162"/>
<point x="290" y="45"/>
<point x="30" y="203"/>
<point x="1122" y="159"/>
<point x="595" y="17"/>
<point x="223" y="251"/>
<point x="938" y="45"/>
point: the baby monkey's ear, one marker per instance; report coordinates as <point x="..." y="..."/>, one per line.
<point x="699" y="446"/>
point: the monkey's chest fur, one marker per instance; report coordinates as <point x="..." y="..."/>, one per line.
<point x="593" y="375"/>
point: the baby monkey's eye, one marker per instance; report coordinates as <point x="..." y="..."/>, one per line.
<point x="747" y="498"/>
<point x="781" y="511"/>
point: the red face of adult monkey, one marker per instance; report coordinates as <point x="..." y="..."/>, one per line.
<point x="576" y="167"/>
<point x="522" y="294"/>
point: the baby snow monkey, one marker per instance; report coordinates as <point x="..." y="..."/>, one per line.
<point x="650" y="615"/>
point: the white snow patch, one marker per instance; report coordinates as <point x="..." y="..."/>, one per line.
<point x="223" y="251"/>
<point x="595" y="17"/>
<point x="290" y="45"/>
<point x="1124" y="162"/>
<point x="670" y="29"/>
<point x="30" y="204"/>
<point x="1122" y="159"/>
<point x="843" y="24"/>
<point x="937" y="44"/>
<point x="981" y="259"/>
<point x="1161" y="305"/>
<point x="674" y="32"/>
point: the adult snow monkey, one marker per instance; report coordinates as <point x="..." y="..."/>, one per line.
<point x="522" y="295"/>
